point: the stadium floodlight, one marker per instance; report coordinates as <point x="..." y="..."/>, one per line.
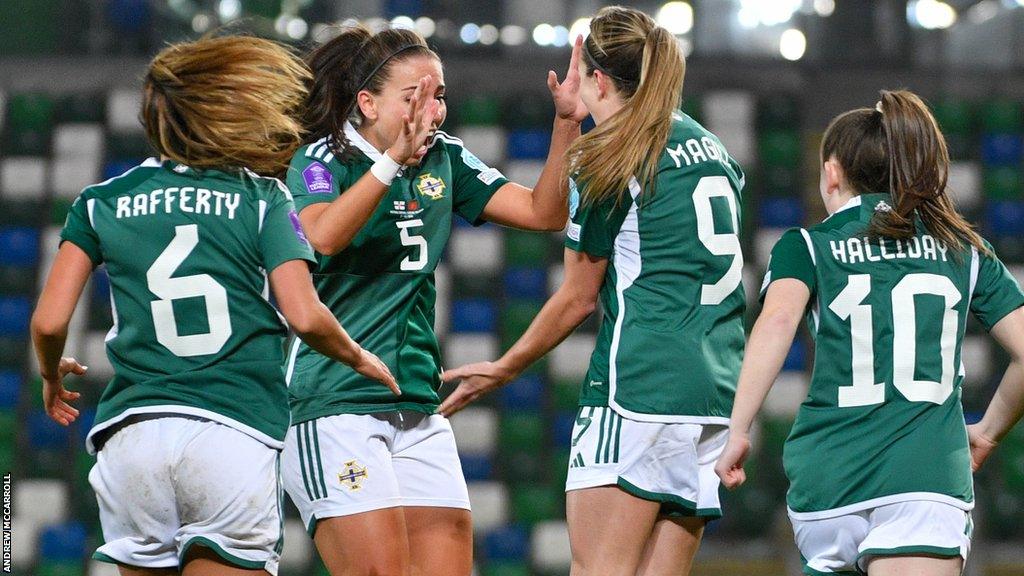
<point x="824" y="8"/>
<point x="488" y="34"/>
<point x="561" y="36"/>
<point x="931" y="14"/>
<point x="403" y="22"/>
<point x="676" y="17"/>
<point x="425" y="26"/>
<point x="753" y="13"/>
<point x="512" y="35"/>
<point x="581" y="27"/>
<point x="469" y="33"/>
<point x="792" y="44"/>
<point x="228" y="10"/>
<point x="544" y="35"/>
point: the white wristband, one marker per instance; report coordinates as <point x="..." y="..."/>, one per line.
<point x="385" y="169"/>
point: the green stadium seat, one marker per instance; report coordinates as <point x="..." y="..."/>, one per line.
<point x="781" y="148"/>
<point x="778" y="112"/>
<point x="1002" y="116"/>
<point x="565" y="394"/>
<point x="524" y="465"/>
<point x="779" y="181"/>
<point x="14" y="281"/>
<point x="13" y="352"/>
<point x="60" y="568"/>
<point x="32" y="112"/>
<point x="521" y="432"/>
<point x="962" y="146"/>
<point x="533" y="503"/>
<point x="134" y="146"/>
<point x="31" y="27"/>
<point x="515" y="319"/>
<point x="955" y="116"/>
<point x="81" y="107"/>
<point x="529" y="110"/>
<point x="505" y="568"/>
<point x="484" y="110"/>
<point x="1003" y="183"/>
<point x="526" y="248"/>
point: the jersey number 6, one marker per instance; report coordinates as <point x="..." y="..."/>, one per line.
<point x="168" y="289"/>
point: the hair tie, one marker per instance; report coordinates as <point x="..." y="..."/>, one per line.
<point x="593" y="62"/>
<point x="377" y="68"/>
<point x="878" y="107"/>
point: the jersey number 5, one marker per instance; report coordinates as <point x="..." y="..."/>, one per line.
<point x="409" y="264"/>
<point x="168" y="289"/>
<point x="849" y="305"/>
<point x="718" y="243"/>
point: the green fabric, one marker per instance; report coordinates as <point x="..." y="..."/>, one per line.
<point x="381" y="287"/>
<point x="790" y="259"/>
<point x="673" y="309"/>
<point x="224" y="554"/>
<point x="910" y="292"/>
<point x="168" y="234"/>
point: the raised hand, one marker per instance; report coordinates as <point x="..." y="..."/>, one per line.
<point x="566" y="95"/>
<point x="730" y="464"/>
<point x="372" y="367"/>
<point x="477" y="380"/>
<point x="56" y="397"/>
<point x="417" y="124"/>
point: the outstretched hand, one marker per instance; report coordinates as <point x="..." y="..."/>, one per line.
<point x="477" y="380"/>
<point x="56" y="397"/>
<point x="417" y="124"/>
<point x="566" y="95"/>
<point x="730" y="464"/>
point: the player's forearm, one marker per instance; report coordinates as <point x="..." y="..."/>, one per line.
<point x="562" y="314"/>
<point x="765" y="353"/>
<point x="335" y="227"/>
<point x="324" y="334"/>
<point x="1007" y="405"/>
<point x="49" y="345"/>
<point x="549" y="204"/>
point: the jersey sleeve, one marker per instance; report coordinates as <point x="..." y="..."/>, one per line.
<point x="790" y="258"/>
<point x="79" y="231"/>
<point x="593" y="226"/>
<point x="281" y="235"/>
<point x="474" y="184"/>
<point x="996" y="292"/>
<point x="311" y="180"/>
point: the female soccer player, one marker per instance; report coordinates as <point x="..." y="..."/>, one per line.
<point x="878" y="460"/>
<point x="377" y="479"/>
<point x="655" y="216"/>
<point x="188" y="431"/>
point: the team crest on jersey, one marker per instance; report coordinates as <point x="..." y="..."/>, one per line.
<point x="353" y="475"/>
<point x="430" y="187"/>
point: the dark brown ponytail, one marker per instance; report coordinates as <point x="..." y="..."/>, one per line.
<point x="897" y="147"/>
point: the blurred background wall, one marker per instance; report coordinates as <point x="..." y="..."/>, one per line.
<point x="765" y="75"/>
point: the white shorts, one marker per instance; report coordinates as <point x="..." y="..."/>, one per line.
<point x="669" y="463"/>
<point x="845" y="544"/>
<point x="167" y="484"/>
<point x="352" y="463"/>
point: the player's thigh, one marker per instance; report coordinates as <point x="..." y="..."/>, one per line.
<point x="373" y="543"/>
<point x="608" y="530"/>
<point x="203" y="561"/>
<point x="135" y="571"/>
<point x="440" y="541"/>
<point x="671" y="547"/>
<point x="915" y="566"/>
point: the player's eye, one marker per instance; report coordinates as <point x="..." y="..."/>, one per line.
<point x="442" y="98"/>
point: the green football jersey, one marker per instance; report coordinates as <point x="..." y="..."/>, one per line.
<point x="883" y="421"/>
<point x="188" y="254"/>
<point x="381" y="287"/>
<point x="671" y="341"/>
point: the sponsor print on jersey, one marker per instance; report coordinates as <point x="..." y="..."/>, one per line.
<point x="353" y="475"/>
<point x="430" y="187"/>
<point x="318" y="178"/>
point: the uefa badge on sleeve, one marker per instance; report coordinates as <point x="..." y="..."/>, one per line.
<point x="317" y="178"/>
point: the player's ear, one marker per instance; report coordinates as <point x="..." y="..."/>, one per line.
<point x="367" y="105"/>
<point x="833" y="176"/>
<point x="603" y="84"/>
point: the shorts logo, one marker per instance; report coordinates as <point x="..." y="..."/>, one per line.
<point x="430" y="187"/>
<point x="353" y="475"/>
<point x="318" y="178"/>
<point x="577" y="462"/>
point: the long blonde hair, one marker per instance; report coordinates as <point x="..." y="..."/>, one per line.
<point x="644" y="62"/>
<point x="226" y="102"/>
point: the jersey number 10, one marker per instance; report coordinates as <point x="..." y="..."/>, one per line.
<point x="848" y="305"/>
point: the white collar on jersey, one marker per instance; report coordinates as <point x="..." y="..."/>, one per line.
<point x="151" y="162"/>
<point x="851" y="203"/>
<point x="357" y="140"/>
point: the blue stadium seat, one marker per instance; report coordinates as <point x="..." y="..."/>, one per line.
<point x="44" y="433"/>
<point x="509" y="543"/>
<point x="561" y="428"/>
<point x="781" y="212"/>
<point x="20" y="246"/>
<point x="403" y="8"/>
<point x="15" y="312"/>
<point x="797" y="357"/>
<point x="526" y="144"/>
<point x="1002" y="149"/>
<point x="526" y="283"/>
<point x="474" y="315"/>
<point x="525" y="393"/>
<point x="101" y="287"/>
<point x="118" y="167"/>
<point x="86" y="418"/>
<point x="63" y="541"/>
<point x="10" y="388"/>
<point x="129" y="15"/>
<point x="477" y="467"/>
<point x="1005" y="218"/>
